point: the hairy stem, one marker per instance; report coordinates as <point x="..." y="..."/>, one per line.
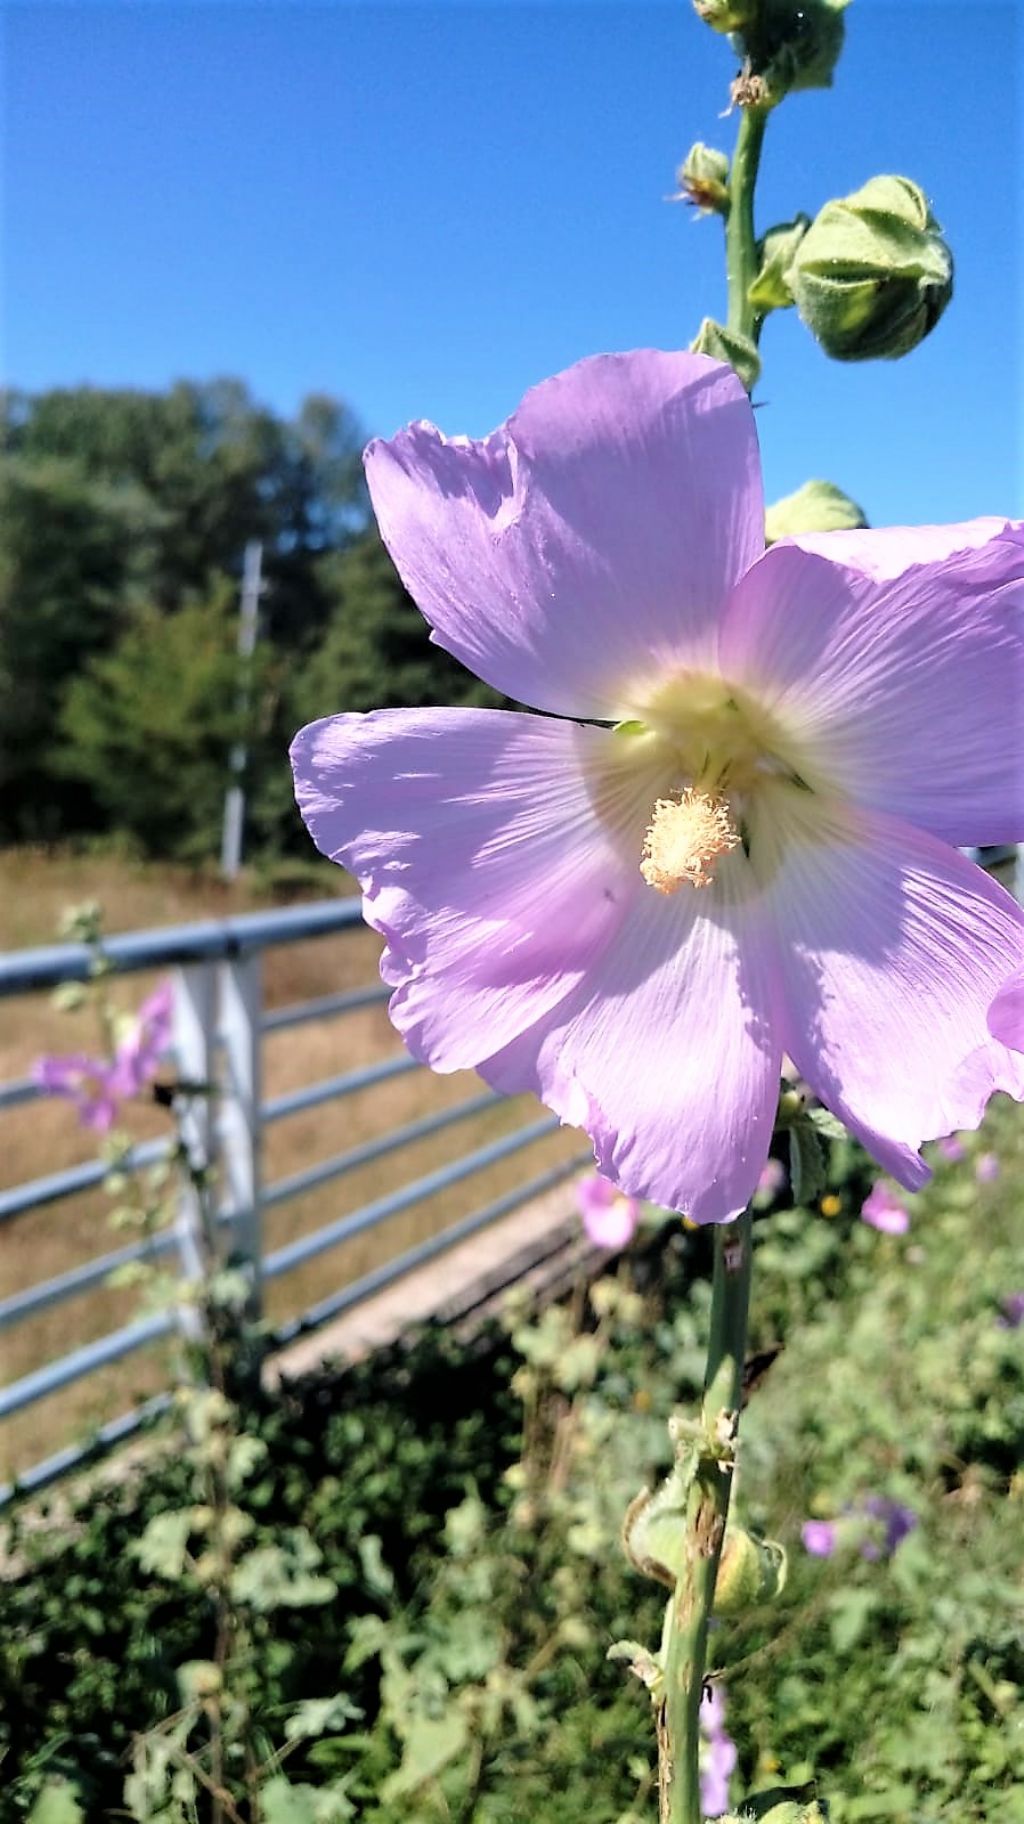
<point x="740" y="239"/>
<point x="694" y="1595"/>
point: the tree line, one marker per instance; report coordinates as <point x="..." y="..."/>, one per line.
<point x="124" y="517"/>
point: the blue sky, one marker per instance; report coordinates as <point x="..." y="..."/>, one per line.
<point x="423" y="208"/>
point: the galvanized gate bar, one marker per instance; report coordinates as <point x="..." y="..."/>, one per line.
<point x="298" y="1183"/>
<point x="307" y="1247"/>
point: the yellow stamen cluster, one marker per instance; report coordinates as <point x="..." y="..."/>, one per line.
<point x="684" y="840"/>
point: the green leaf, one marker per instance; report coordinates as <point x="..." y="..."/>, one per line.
<point x="807" y="1162"/>
<point x="318" y="1714"/>
<point x="163" y="1546"/>
<point x="282" y="1576"/>
<point x="57" y="1804"/>
<point x="431" y="1742"/>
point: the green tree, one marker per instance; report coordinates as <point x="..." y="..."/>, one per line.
<point x="377" y="652"/>
<point x="73" y="555"/>
<point x="149" y="726"/>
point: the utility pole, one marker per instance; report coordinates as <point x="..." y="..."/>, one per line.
<point x="234" y="802"/>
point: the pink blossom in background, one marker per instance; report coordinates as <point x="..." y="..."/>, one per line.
<point x="952" y="1149"/>
<point x="98" y="1086"/>
<point x="883" y="1210"/>
<point x="819" y="1537"/>
<point x="718" y="1754"/>
<point x="609" y="1218"/>
<point x="771" y="1177"/>
<point x="878" y="1523"/>
<point x="890" y="1522"/>
<point x="1011" y="1311"/>
<point x="987" y="1168"/>
<point x="734" y="833"/>
<point x="87" y="1082"/>
<point x="148" y="1037"/>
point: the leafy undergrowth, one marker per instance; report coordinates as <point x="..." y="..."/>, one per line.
<point x="445" y="1657"/>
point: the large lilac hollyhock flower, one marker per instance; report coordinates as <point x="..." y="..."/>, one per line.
<point x="1006" y="1014"/>
<point x="718" y="1754"/>
<point x="756" y="852"/>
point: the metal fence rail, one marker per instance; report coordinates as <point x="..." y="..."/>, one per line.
<point x="219" y="1024"/>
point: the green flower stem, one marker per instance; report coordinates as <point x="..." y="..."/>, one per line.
<point x="694" y="1595"/>
<point x="740" y="240"/>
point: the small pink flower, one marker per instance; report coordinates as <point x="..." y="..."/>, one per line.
<point x="609" y="1218"/>
<point x="1012" y="1311"/>
<point x="819" y="1537"/>
<point x="883" y="1210"/>
<point x="98" y="1086"/>
<point x="987" y="1168"/>
<point x="87" y="1082"/>
<point x="718" y="1754"/>
<point x="952" y="1149"/>
<point x="772" y="1178"/>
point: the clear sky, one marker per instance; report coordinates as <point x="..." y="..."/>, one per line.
<point x="425" y="207"/>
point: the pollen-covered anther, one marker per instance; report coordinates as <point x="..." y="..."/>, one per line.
<point x="684" y="840"/>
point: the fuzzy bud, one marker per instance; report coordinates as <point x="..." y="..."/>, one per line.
<point x="727" y="15"/>
<point x="777" y="251"/>
<point x="819" y="506"/>
<point x="728" y="345"/>
<point x="789" y="44"/>
<point x="872" y="275"/>
<point x="703" y="180"/>
<point x="752" y="1571"/>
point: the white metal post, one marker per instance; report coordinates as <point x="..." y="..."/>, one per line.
<point x="240" y="1125"/>
<point x="248" y="627"/>
<point x="195" y="1028"/>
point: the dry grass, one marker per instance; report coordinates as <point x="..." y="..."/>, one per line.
<point x="42" y="1137"/>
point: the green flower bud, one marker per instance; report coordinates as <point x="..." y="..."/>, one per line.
<point x="789" y="44"/>
<point x="818" y="506"/>
<point x="777" y="251"/>
<point x="728" y="345"/>
<point x="703" y="180"/>
<point x="727" y="15"/>
<point x="872" y="275"/>
<point x="752" y="1571"/>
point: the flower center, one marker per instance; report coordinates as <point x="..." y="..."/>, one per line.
<point x="685" y="837"/>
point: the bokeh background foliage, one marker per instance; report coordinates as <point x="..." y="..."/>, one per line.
<point x="467" y="1505"/>
<point x="123" y="519"/>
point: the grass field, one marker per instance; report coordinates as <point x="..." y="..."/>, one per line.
<point x="42" y="1137"/>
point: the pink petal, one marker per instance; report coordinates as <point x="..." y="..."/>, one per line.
<point x="819" y="1538"/>
<point x="483" y="861"/>
<point x="575" y="554"/>
<point x="892" y="947"/>
<point x="609" y="1219"/>
<point x="883" y="1210"/>
<point x="898" y="660"/>
<point x="1006" y="1014"/>
<point x="666" y="1054"/>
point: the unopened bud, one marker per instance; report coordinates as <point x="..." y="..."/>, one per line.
<point x="703" y="180"/>
<point x="819" y="506"/>
<point x="728" y="345"/>
<point x="771" y="289"/>
<point x="790" y="44"/>
<point x="752" y="1571"/>
<point x="872" y="275"/>
<point x="726" y="15"/>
